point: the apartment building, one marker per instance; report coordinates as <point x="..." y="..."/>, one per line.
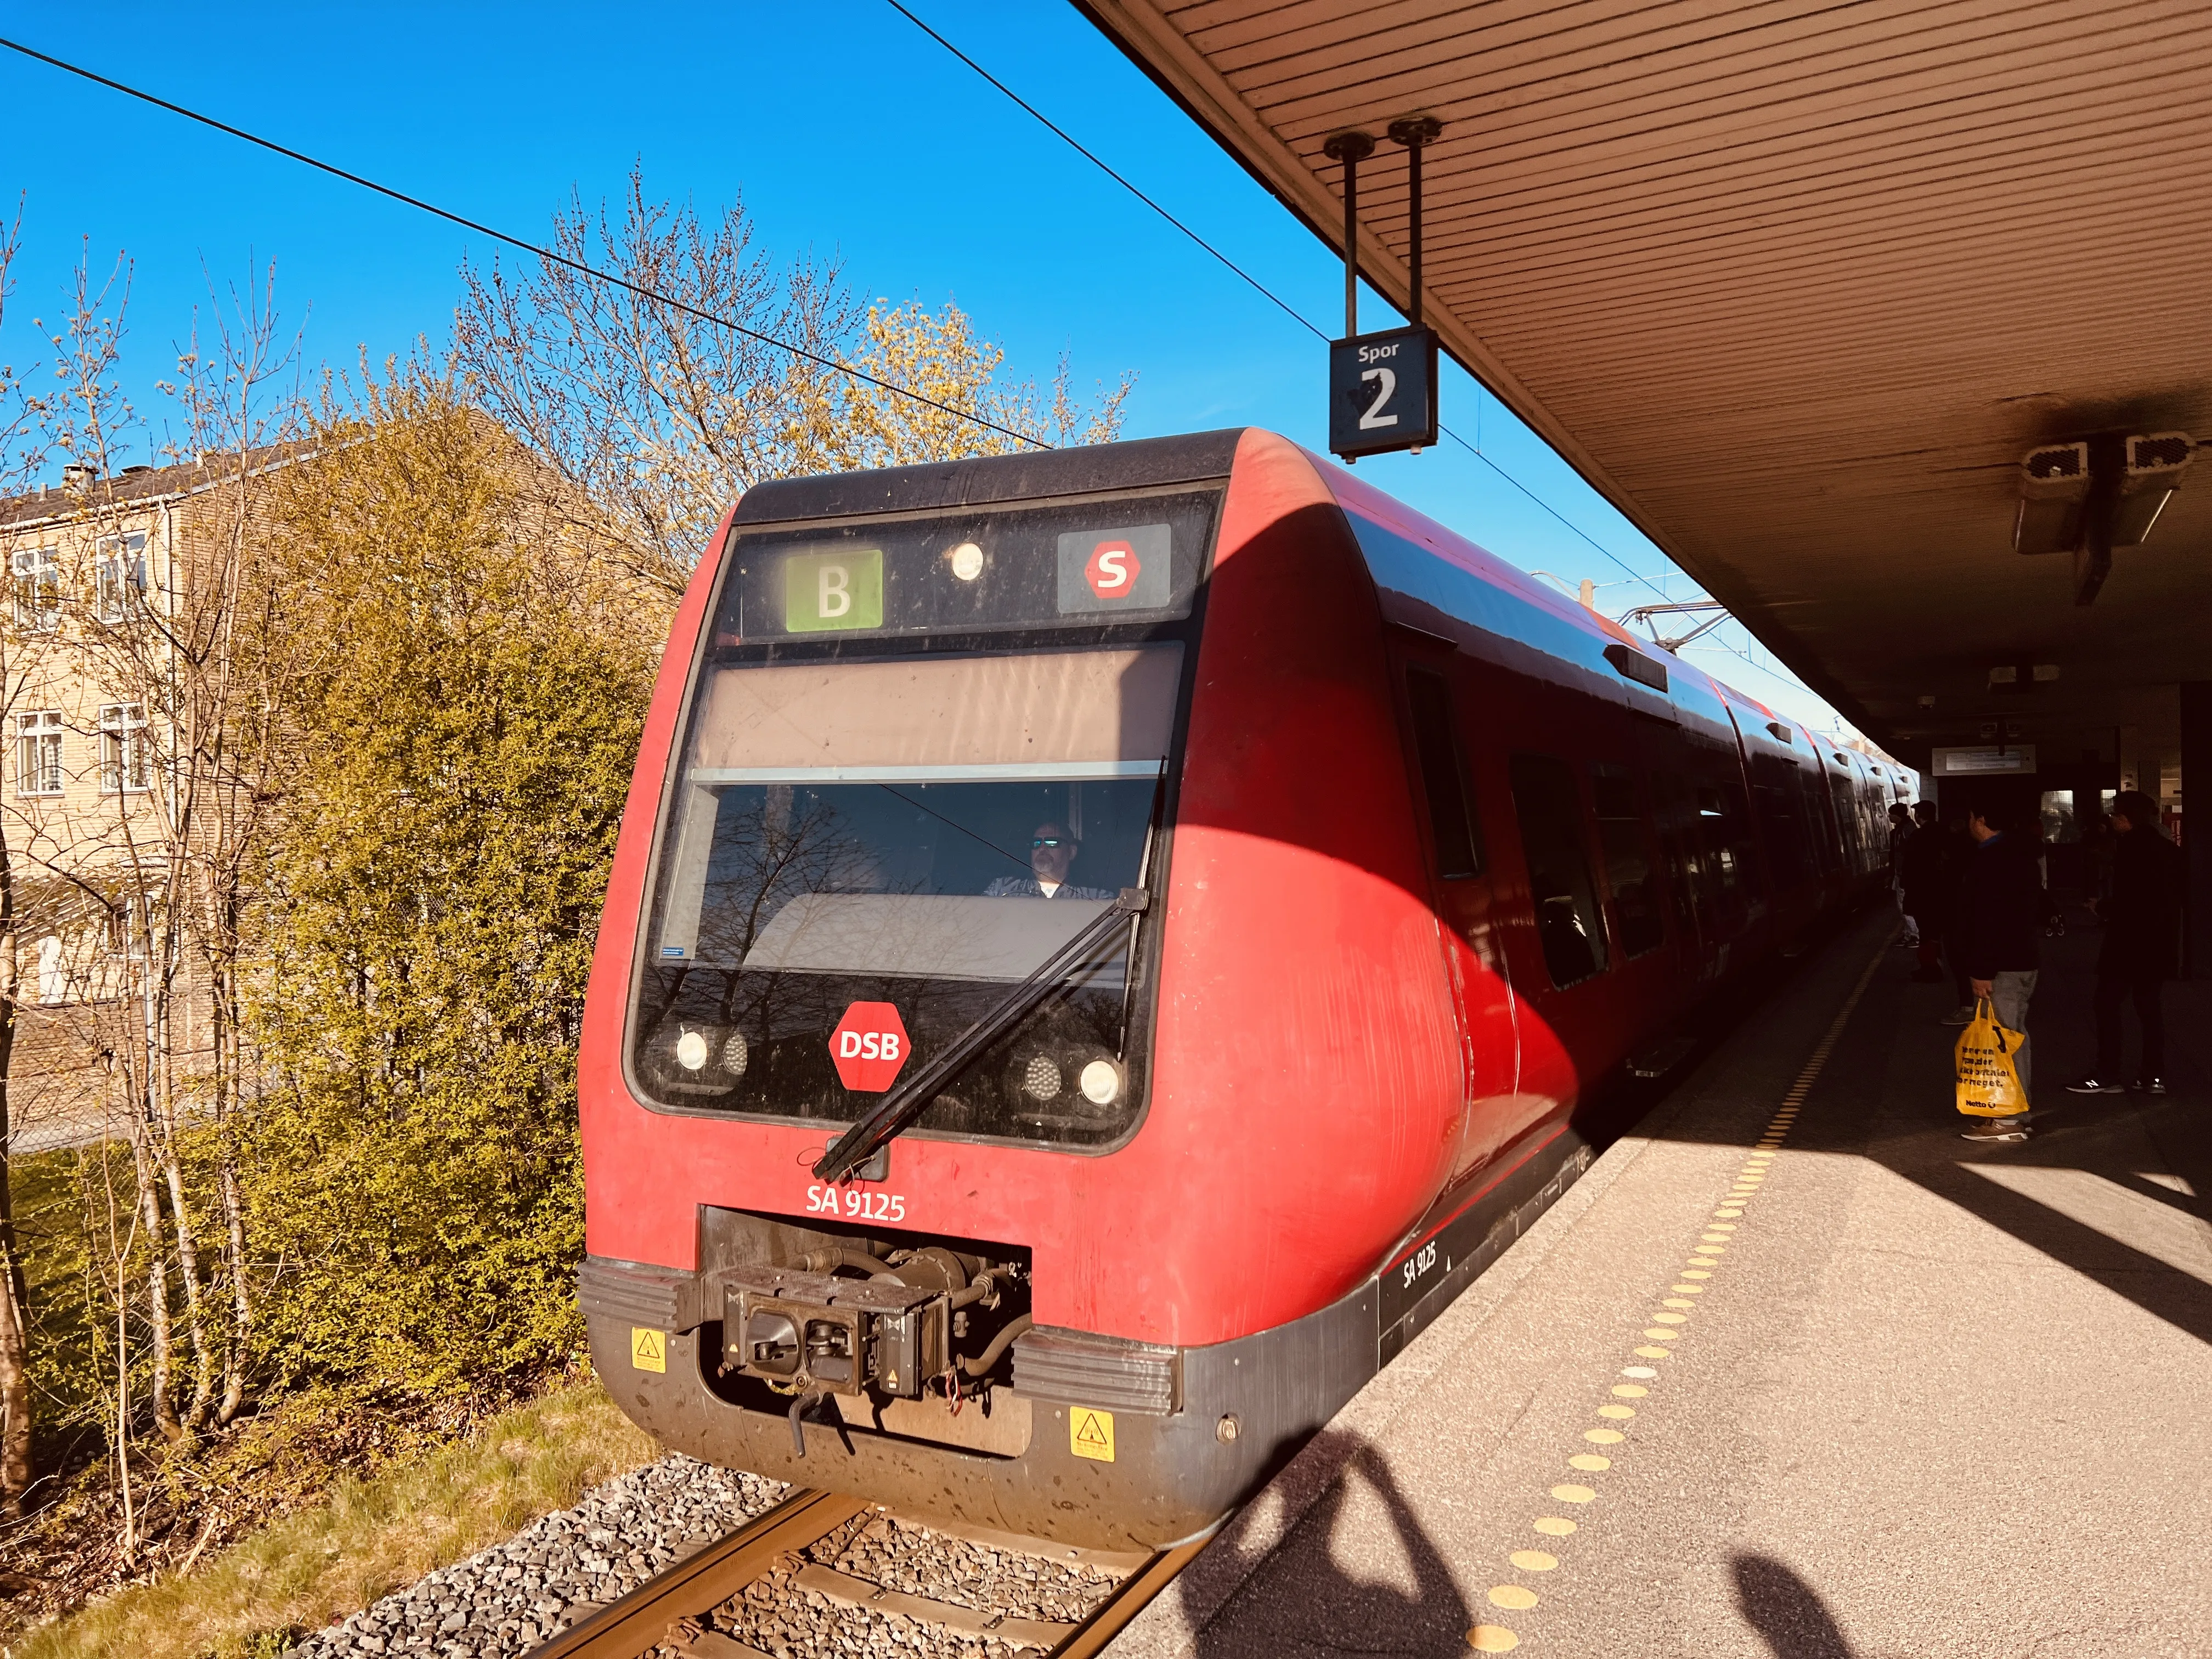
<point x="98" y="571"/>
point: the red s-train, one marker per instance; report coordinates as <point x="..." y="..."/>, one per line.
<point x="1370" y="864"/>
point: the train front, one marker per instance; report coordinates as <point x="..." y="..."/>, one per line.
<point x="918" y="735"/>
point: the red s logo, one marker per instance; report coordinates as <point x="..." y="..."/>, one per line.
<point x="1113" y="570"/>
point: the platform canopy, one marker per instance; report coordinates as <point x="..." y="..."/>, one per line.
<point x="1796" y="286"/>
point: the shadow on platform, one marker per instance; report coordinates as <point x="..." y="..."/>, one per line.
<point x="1788" y="1614"/>
<point x="1421" y="1615"/>
<point x="2114" y="1186"/>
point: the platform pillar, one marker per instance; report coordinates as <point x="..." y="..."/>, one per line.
<point x="2196" y="826"/>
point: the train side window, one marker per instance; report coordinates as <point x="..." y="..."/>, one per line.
<point x="1827" y="849"/>
<point x="1687" y="878"/>
<point x="1444" y="776"/>
<point x="1847" y="822"/>
<point x="1724" y="826"/>
<point x="1621" y="838"/>
<point x="1559" y="885"/>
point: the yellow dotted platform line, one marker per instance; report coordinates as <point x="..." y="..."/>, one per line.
<point x="1669" y="1324"/>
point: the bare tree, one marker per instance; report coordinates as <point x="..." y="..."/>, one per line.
<point x="17" y="460"/>
<point x="657" y="401"/>
<point x="153" y="604"/>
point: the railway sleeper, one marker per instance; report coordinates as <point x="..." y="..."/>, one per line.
<point x="880" y="1568"/>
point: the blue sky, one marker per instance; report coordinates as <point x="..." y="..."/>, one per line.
<point x="849" y="135"/>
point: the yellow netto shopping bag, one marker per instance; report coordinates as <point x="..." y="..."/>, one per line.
<point x="1989" y="1086"/>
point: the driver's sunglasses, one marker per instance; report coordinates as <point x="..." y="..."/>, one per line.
<point x="1046" y="840"/>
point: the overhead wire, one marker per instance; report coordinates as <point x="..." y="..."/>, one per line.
<point x="641" y="290"/>
<point x="525" y="246"/>
<point x="1298" y="317"/>
<point x="1253" y="282"/>
<point x="1062" y="133"/>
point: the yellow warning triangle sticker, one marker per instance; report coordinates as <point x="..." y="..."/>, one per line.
<point x="1090" y="1434"/>
<point x="648" y="1349"/>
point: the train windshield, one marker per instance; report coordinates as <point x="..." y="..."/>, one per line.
<point x="865" y="849"/>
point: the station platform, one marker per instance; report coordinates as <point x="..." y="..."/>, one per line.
<point x="1820" y="1383"/>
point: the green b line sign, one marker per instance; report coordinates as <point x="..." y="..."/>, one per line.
<point x="833" y="592"/>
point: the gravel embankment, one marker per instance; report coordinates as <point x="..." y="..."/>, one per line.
<point x="514" y="1596"/>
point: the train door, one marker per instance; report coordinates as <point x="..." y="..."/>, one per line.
<point x="1445" y="782"/>
<point x="1868" y="816"/>
<point x="1738" y="883"/>
<point x="1589" y="995"/>
<point x="1779" y="804"/>
<point x="1636" y="903"/>
<point x="1822" y="826"/>
<point x="1691" y="899"/>
<point x="1499" y="709"/>
<point x="1861" y="845"/>
<point x="1873" y="807"/>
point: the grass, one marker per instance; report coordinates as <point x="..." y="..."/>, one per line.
<point x="365" y="1539"/>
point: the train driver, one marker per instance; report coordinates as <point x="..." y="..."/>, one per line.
<point x="1052" y="848"/>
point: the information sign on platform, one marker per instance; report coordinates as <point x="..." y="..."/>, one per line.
<point x="2015" y="757"/>
<point x="1382" y="392"/>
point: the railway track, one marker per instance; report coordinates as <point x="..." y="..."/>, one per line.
<point x="706" y="1605"/>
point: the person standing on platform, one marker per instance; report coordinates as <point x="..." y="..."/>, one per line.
<point x="1925" y="872"/>
<point x="1901" y="830"/>
<point x="2142" y="933"/>
<point x="1958" y="845"/>
<point x="2099" y="839"/>
<point x="1999" y="918"/>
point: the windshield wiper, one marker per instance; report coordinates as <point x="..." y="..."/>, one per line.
<point x="907" y="1102"/>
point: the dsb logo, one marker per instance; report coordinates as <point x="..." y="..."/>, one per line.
<point x="869" y="1047"/>
<point x="1113" y="570"/>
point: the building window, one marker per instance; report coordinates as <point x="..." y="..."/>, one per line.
<point x="119" y="577"/>
<point x="39" y="753"/>
<point x="53" y="971"/>
<point x="123" y="747"/>
<point x="38" y="572"/>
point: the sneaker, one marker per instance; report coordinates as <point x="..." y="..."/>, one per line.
<point x="1995" y="1129"/>
<point x="2096" y="1085"/>
<point x="1910" y="942"/>
<point x="1961" y="1015"/>
<point x="2150" y="1085"/>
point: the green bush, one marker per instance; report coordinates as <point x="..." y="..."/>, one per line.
<point x="411" y="1167"/>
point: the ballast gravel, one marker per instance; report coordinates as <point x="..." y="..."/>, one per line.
<point x="777" y="1616"/>
<point x="555" y="1572"/>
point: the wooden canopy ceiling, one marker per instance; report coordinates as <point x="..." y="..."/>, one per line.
<point x="1796" y="285"/>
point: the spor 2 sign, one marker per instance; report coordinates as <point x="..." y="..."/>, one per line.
<point x="1382" y="392"/>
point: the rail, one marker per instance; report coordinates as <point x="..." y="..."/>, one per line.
<point x="642" y="1619"/>
<point x="646" y="1616"/>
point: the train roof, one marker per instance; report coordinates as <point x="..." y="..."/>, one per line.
<point x="1133" y="464"/>
<point x="1162" y="463"/>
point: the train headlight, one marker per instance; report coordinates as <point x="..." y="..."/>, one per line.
<point x="1100" y="1082"/>
<point x="1040" y="1078"/>
<point x="967" y="561"/>
<point x="736" y="1053"/>
<point x="691" y="1051"/>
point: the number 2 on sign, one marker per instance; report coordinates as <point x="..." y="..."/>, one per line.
<point x="1386" y="381"/>
<point x="856" y="1202"/>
